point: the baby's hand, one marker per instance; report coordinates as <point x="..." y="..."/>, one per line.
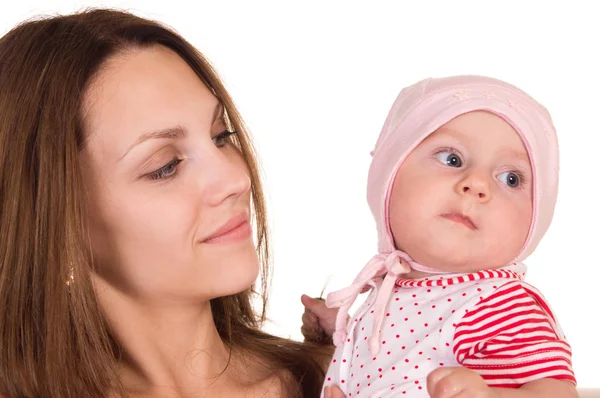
<point x="318" y="321"/>
<point x="455" y="382"/>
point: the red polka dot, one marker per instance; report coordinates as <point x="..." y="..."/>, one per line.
<point x="406" y="360"/>
<point x="348" y="340"/>
<point x="440" y="318"/>
<point x="401" y="308"/>
<point x="416" y="304"/>
<point x="374" y="358"/>
<point x="368" y="376"/>
<point x="412" y="330"/>
<point x="419" y="312"/>
<point x="329" y="379"/>
<point x="361" y="366"/>
<point x="380" y="376"/>
<point x="393" y="368"/>
<point x="433" y="306"/>
<point x="335" y="360"/>
<point x="397" y="336"/>
<point x="416" y="366"/>
<point x="379" y="369"/>
<point x="441" y="364"/>
<point x="428" y="290"/>
<point x="420" y="352"/>
<point x="416" y="381"/>
<point x="388" y="314"/>
<point x="414" y="295"/>
<point x="478" y="289"/>
<point x="404" y="347"/>
<point x="343" y="360"/>
<point x="464" y="294"/>
<point x="389" y="352"/>
<point x="392" y="325"/>
<point x="405" y="377"/>
<point x="426" y="324"/>
<point x="343" y="381"/>
<point x="397" y="298"/>
<point x="383" y="342"/>
<point x="449" y="299"/>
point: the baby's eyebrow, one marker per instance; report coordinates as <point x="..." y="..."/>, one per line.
<point x="449" y="133"/>
<point x="517" y="155"/>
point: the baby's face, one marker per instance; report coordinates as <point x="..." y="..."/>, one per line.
<point x="462" y="200"/>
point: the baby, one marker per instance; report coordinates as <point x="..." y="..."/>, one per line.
<point x="462" y="185"/>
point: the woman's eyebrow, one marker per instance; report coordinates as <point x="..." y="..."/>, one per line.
<point x="173" y="133"/>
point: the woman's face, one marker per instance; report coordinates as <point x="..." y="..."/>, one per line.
<point x="168" y="192"/>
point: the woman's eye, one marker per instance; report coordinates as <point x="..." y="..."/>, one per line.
<point x="511" y="179"/>
<point x="449" y="158"/>
<point x="222" y="138"/>
<point x="167" y="171"/>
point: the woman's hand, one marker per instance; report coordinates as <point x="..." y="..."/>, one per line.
<point x="318" y="321"/>
<point x="333" y="392"/>
<point x="458" y="382"/>
<point x="451" y="382"/>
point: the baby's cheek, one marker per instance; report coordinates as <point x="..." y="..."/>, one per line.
<point x="511" y="226"/>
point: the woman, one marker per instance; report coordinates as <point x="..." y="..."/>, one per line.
<point x="128" y="185"/>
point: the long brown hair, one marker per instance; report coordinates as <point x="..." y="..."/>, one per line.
<point x="54" y="341"/>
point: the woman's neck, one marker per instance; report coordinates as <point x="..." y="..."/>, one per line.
<point x="172" y="347"/>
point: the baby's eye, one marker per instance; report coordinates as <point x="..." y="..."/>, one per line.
<point x="449" y="158"/>
<point x="509" y="178"/>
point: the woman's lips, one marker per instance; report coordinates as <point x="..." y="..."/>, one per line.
<point x="235" y="229"/>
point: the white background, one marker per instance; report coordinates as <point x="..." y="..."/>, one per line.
<point x="314" y="81"/>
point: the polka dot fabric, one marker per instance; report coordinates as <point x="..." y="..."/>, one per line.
<point x="417" y="335"/>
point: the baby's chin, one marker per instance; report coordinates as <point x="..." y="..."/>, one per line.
<point x="453" y="263"/>
<point x="458" y="254"/>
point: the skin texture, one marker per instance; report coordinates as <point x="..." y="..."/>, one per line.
<point x="164" y="177"/>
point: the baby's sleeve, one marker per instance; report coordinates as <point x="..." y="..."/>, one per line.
<point x="511" y="338"/>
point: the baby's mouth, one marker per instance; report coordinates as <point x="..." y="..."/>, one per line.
<point x="461" y="219"/>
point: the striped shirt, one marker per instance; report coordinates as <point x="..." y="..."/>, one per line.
<point x="489" y="321"/>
